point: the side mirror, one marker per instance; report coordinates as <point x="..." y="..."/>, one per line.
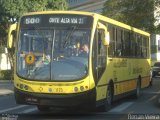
<point x="104" y="33"/>
<point x="11" y="35"/>
<point x="106" y="39"/>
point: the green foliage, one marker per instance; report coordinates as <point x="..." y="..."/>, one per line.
<point x="11" y="10"/>
<point x="5" y="75"/>
<point x="137" y="13"/>
<point x="157" y="15"/>
<point x="57" y="5"/>
<point x="35" y="5"/>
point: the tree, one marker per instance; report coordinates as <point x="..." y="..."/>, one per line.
<point x="157" y="15"/>
<point x="11" y="10"/>
<point x="137" y="13"/>
<point x="35" y="5"/>
<point x="57" y="5"/>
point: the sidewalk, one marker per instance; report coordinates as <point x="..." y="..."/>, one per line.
<point x="4" y="81"/>
<point x="6" y="87"/>
<point x="5" y="92"/>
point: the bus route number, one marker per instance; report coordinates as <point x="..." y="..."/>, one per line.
<point x="32" y="20"/>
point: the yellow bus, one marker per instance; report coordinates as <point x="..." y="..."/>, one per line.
<point x="78" y="59"/>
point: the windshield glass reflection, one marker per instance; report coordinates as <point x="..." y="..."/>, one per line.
<point x="57" y="55"/>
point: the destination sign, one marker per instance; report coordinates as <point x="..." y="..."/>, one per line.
<point x="67" y="20"/>
<point x="50" y="20"/>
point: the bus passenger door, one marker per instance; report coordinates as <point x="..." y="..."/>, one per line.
<point x="99" y="55"/>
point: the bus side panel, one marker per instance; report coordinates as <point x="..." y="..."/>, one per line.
<point x="124" y="72"/>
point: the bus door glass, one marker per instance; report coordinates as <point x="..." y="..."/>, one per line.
<point x="99" y="55"/>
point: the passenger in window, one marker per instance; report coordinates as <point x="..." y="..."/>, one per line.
<point x="119" y="53"/>
<point x="84" y="50"/>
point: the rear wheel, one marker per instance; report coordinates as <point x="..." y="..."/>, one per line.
<point x="151" y="78"/>
<point x="138" y="88"/>
<point x="151" y="82"/>
<point x="109" y="95"/>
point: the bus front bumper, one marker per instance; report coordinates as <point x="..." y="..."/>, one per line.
<point x="86" y="99"/>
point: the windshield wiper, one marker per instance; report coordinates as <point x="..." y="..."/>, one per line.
<point x="68" y="36"/>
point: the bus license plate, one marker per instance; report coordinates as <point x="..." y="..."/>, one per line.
<point x="59" y="90"/>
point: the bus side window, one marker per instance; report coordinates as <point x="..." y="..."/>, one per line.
<point x="119" y="43"/>
<point x="98" y="56"/>
<point x="112" y="31"/>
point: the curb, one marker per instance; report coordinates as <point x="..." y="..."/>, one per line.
<point x="6" y="80"/>
<point x="5" y="92"/>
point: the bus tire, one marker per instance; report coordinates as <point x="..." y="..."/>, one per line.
<point x="138" y="88"/>
<point x="151" y="82"/>
<point x="110" y="94"/>
<point x="151" y="79"/>
<point x="109" y="98"/>
<point x="42" y="108"/>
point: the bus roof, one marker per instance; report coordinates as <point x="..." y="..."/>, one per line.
<point x="95" y="15"/>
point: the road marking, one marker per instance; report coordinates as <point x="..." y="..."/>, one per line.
<point x="152" y="98"/>
<point x="29" y="110"/>
<point x="13" y="108"/>
<point x="158" y="92"/>
<point x="121" y="107"/>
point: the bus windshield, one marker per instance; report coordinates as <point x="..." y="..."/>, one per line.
<point x="57" y="54"/>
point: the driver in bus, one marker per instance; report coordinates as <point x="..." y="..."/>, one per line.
<point x="85" y="48"/>
<point x="84" y="51"/>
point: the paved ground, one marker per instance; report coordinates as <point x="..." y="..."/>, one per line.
<point x="6" y="87"/>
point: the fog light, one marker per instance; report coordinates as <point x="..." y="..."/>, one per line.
<point x="81" y="88"/>
<point x="76" y="89"/>
<point x="26" y="87"/>
<point x="21" y="86"/>
<point x="86" y="87"/>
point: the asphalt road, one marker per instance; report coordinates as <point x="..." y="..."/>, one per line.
<point x="145" y="107"/>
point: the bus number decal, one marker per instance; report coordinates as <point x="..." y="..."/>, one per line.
<point x="32" y="21"/>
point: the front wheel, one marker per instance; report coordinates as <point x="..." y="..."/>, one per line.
<point x="138" y="89"/>
<point x="109" y="99"/>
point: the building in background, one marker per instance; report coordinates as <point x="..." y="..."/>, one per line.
<point x="157" y="15"/>
<point x="87" y="5"/>
<point x="4" y="60"/>
<point x="155" y="48"/>
<point x="155" y="38"/>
